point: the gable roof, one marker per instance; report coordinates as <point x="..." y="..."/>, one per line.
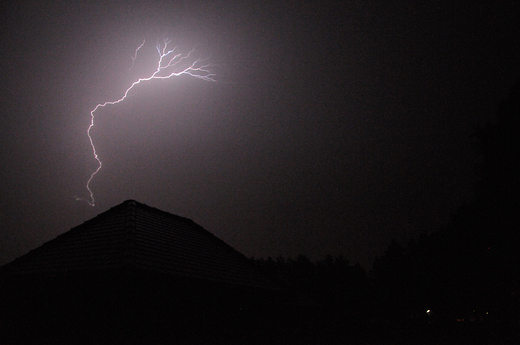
<point x="147" y="239"/>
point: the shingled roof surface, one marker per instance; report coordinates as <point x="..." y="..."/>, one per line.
<point x="145" y="238"/>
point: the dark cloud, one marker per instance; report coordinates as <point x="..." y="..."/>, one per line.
<point x="334" y="128"/>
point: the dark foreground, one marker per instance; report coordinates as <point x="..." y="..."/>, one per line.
<point x="259" y="330"/>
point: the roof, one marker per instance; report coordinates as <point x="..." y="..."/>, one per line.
<point x="147" y="239"/>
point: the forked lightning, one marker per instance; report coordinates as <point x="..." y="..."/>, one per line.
<point x="170" y="64"/>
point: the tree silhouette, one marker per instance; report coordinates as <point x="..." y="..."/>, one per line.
<point x="332" y="282"/>
<point x="468" y="269"/>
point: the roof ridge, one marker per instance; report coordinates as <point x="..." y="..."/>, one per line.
<point x="137" y="204"/>
<point x="129" y="233"/>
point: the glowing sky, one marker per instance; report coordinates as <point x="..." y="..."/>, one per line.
<point x="170" y="63"/>
<point x="334" y="126"/>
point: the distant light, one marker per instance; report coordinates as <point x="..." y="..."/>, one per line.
<point x="428" y="311"/>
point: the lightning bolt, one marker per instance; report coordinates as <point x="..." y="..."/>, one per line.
<point x="135" y="55"/>
<point x="170" y="64"/>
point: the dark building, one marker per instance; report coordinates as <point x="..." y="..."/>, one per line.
<point x="135" y="274"/>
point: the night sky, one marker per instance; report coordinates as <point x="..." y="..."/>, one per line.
<point x="333" y="127"/>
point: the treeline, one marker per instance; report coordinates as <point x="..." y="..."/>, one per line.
<point x="467" y="271"/>
<point x="331" y="282"/>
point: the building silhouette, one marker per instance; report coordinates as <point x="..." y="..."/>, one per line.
<point x="136" y="274"/>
